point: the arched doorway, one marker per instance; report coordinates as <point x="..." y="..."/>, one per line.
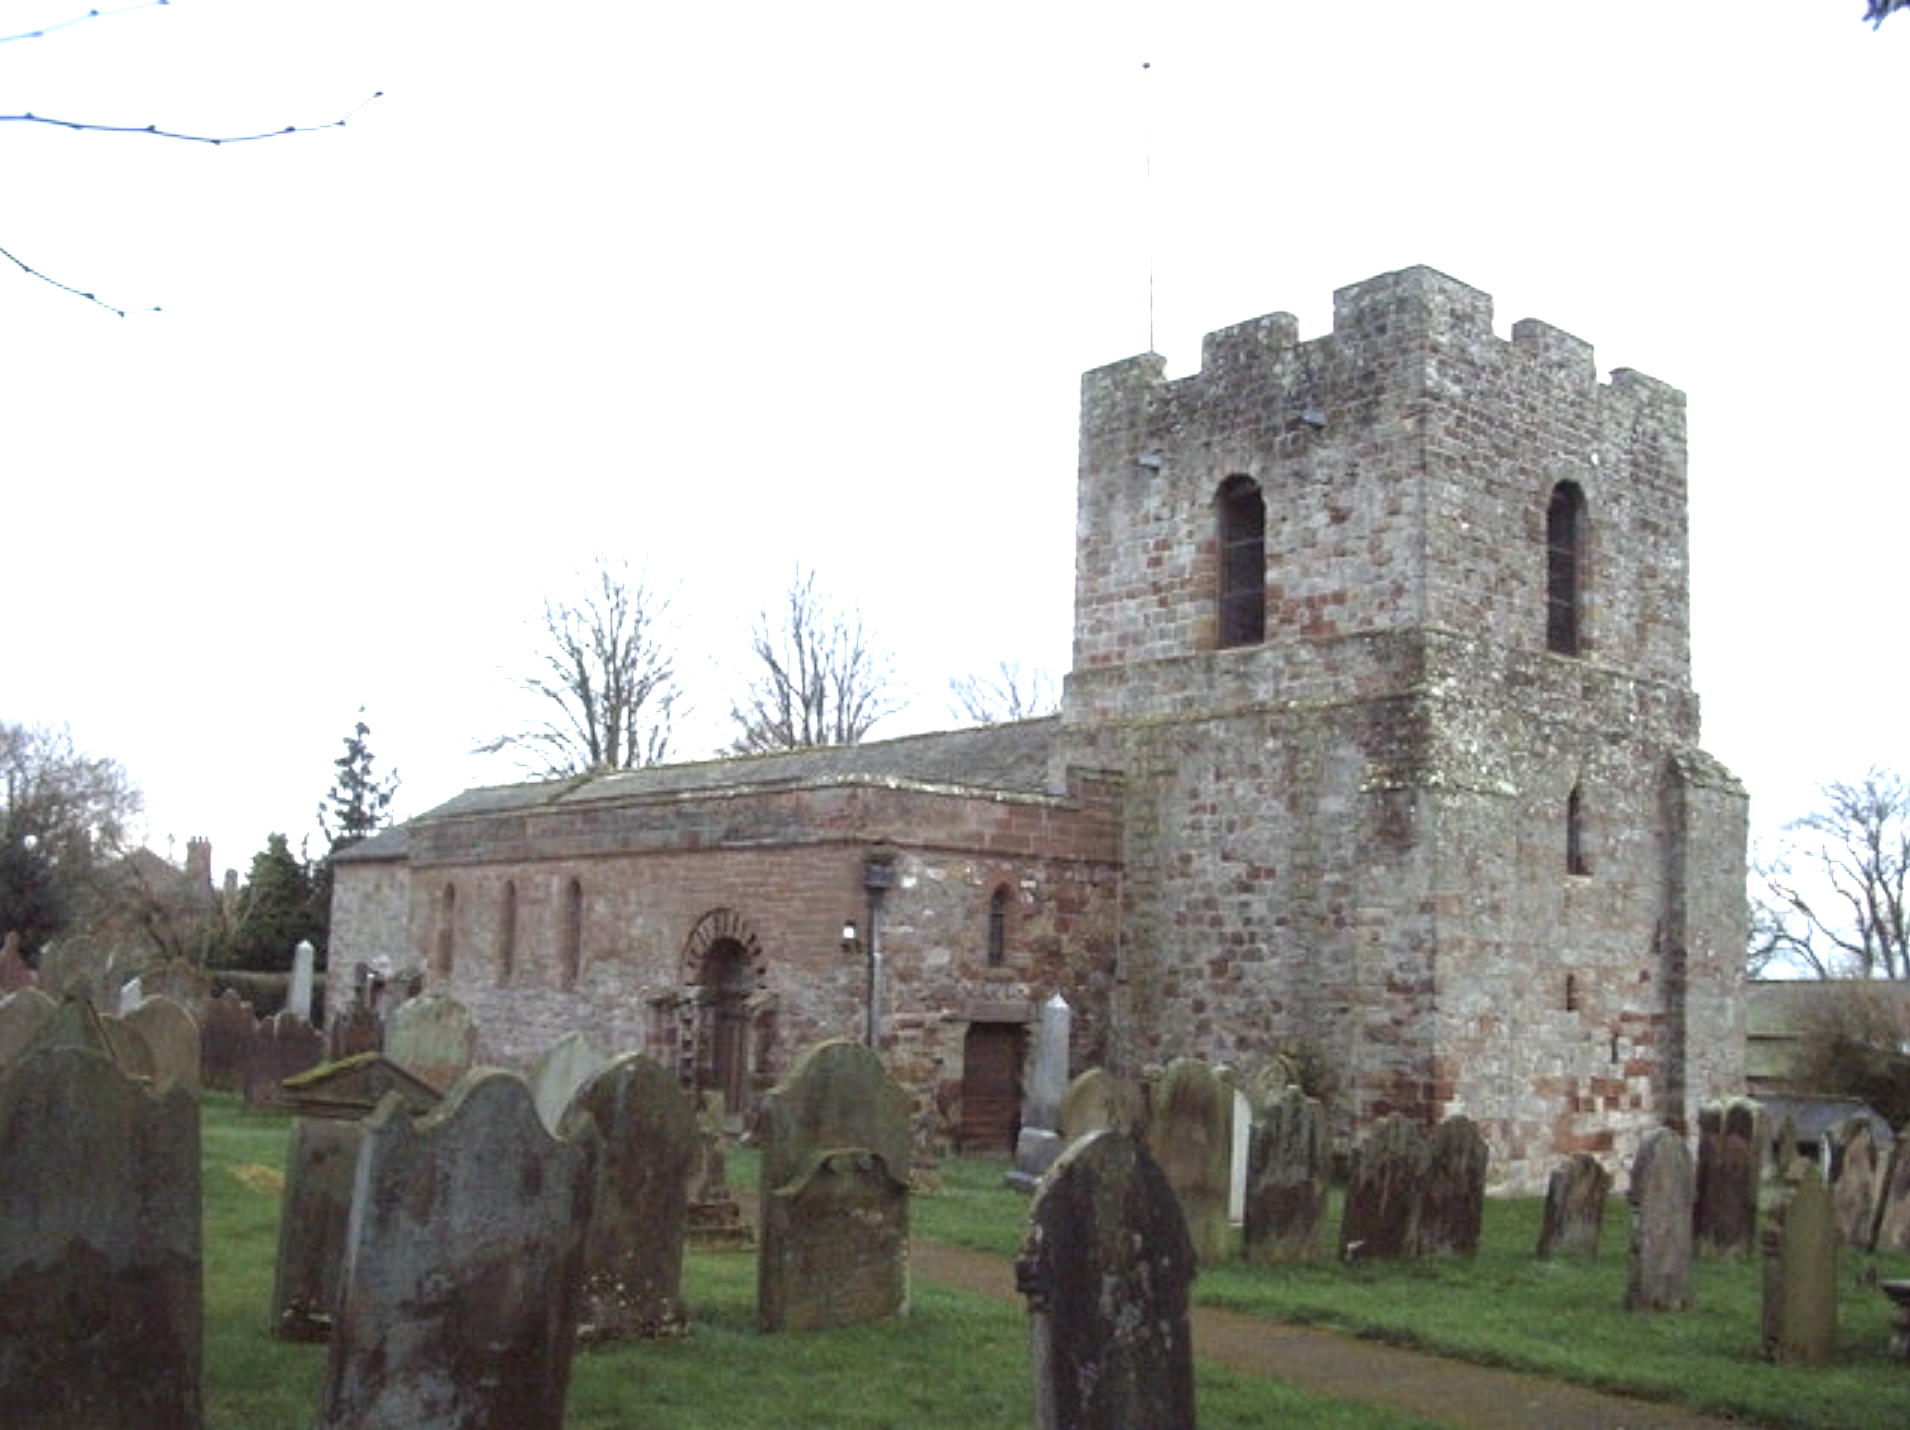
<point x="724" y="984"/>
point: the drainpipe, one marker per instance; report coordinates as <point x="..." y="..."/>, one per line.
<point x="878" y="877"/>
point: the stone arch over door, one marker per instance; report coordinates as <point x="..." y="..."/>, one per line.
<point x="726" y="1014"/>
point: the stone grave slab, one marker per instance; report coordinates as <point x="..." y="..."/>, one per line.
<point x="1800" y="1276"/>
<point x="1380" y="1220"/>
<point x="1575" y="1207"/>
<point x="1190" y="1138"/>
<point x="1662" y="1193"/>
<point x="1290" y="1169"/>
<point x="434" y="1035"/>
<point x="172" y="1035"/>
<point x="1452" y="1199"/>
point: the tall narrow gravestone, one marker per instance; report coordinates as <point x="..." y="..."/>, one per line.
<point x="1800" y="1276"/>
<point x="1730" y="1166"/>
<point x="647" y="1145"/>
<point x="298" y="998"/>
<point x="1106" y="1267"/>
<point x="1039" y="1141"/>
<point x="1190" y="1137"/>
<point x="1380" y="1221"/>
<point x="1452" y="1201"/>
<point x="1854" y="1181"/>
<point x="835" y="1193"/>
<point x="1290" y="1164"/>
<point x="1661" y="1196"/>
<point x="100" y="1311"/>
<point x="458" y="1306"/>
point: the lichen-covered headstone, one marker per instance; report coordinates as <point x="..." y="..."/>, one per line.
<point x="1098" y="1101"/>
<point x="835" y="1193"/>
<point x="1661" y="1196"/>
<point x="458" y="1306"/>
<point x="567" y="1065"/>
<point x="22" y="1015"/>
<point x="100" y="1312"/>
<point x="225" y="1042"/>
<point x="1575" y="1207"/>
<point x="332" y="1101"/>
<point x="1190" y="1137"/>
<point x="1106" y="1267"/>
<point x="282" y="1047"/>
<point x="1800" y="1276"/>
<point x="434" y="1035"/>
<point x="1854" y="1181"/>
<point x="1290" y="1165"/>
<point x="1380" y="1221"/>
<point x="1452" y="1198"/>
<point x="1730" y="1167"/>
<point x="172" y="1036"/>
<point x="647" y="1143"/>
<point x="1039" y="1140"/>
<point x="1893" y="1212"/>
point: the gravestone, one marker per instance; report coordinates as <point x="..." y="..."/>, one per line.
<point x="1452" y="1199"/>
<point x="458" y="1305"/>
<point x="1237" y="1158"/>
<point x="1380" y="1219"/>
<point x="331" y="1102"/>
<point x="1291" y="1164"/>
<point x="433" y="1035"/>
<point x="1098" y="1101"/>
<point x="1730" y="1167"/>
<point x="353" y="1029"/>
<point x="298" y="999"/>
<point x="225" y="1042"/>
<point x="633" y="1252"/>
<point x="1661" y="1197"/>
<point x="172" y="1036"/>
<point x="1106" y="1267"/>
<point x="835" y="1198"/>
<point x="1855" y="1176"/>
<point x="1190" y="1137"/>
<point x="1575" y="1208"/>
<point x="1893" y="1213"/>
<point x="1039" y="1141"/>
<point x="100" y="1312"/>
<point x="715" y="1219"/>
<point x="22" y="1015"/>
<point x="567" y="1065"/>
<point x="1800" y="1276"/>
<point x="282" y="1047"/>
<point x="75" y="1023"/>
<point x="15" y="973"/>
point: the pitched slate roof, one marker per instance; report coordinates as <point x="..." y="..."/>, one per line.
<point x="1010" y="758"/>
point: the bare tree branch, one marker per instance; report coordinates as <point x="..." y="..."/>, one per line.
<point x="821" y="680"/>
<point x="1010" y="693"/>
<point x="214" y="139"/>
<point x="81" y="19"/>
<point x="1832" y="897"/>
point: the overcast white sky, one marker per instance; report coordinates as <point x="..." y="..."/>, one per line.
<point x="721" y="287"/>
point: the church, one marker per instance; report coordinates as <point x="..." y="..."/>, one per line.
<point x="1379" y="753"/>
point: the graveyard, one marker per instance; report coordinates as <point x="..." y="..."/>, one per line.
<point x="956" y="1359"/>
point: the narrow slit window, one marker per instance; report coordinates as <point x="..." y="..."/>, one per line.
<point x="1243" y="562"/>
<point x="998" y="928"/>
<point x="1564" y="569"/>
<point x="1575" y="860"/>
<point x="447" y="924"/>
<point x="507" y="934"/>
<point x="571" y="952"/>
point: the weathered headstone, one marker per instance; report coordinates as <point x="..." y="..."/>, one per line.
<point x="1380" y="1219"/>
<point x="1039" y="1141"/>
<point x="282" y="1047"/>
<point x="15" y="972"/>
<point x="332" y="1100"/>
<point x="1730" y="1167"/>
<point x="1106" y="1268"/>
<point x="1190" y="1137"/>
<point x="835" y="1209"/>
<point x="1575" y="1208"/>
<point x="458" y="1305"/>
<point x="1098" y="1101"/>
<point x="1893" y="1213"/>
<point x="633" y="1253"/>
<point x="353" y="1028"/>
<point x="434" y="1035"/>
<point x="1661" y="1196"/>
<point x="1800" y="1276"/>
<point x="225" y="1042"/>
<point x="567" y="1065"/>
<point x="172" y="1036"/>
<point x="22" y="1014"/>
<point x="1452" y="1199"/>
<point x="298" y="999"/>
<point x="1290" y="1166"/>
<point x="1238" y="1158"/>
<point x="1855" y="1175"/>
<point x="100" y="1312"/>
<point x="715" y="1217"/>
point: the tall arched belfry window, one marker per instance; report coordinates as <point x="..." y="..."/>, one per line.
<point x="1243" y="562"/>
<point x="1564" y="569"/>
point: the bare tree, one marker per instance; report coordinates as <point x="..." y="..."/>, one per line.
<point x="819" y="678"/>
<point x="64" y="819"/>
<point x="1009" y="693"/>
<point x="1831" y="898"/>
<point x="607" y="679"/>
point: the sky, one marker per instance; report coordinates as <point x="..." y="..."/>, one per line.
<point x="717" y="289"/>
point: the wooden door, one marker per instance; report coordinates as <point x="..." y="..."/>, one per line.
<point x="991" y="1087"/>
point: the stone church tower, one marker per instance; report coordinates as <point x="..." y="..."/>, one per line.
<point x="1388" y="633"/>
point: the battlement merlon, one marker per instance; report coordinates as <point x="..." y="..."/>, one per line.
<point x="1401" y="320"/>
